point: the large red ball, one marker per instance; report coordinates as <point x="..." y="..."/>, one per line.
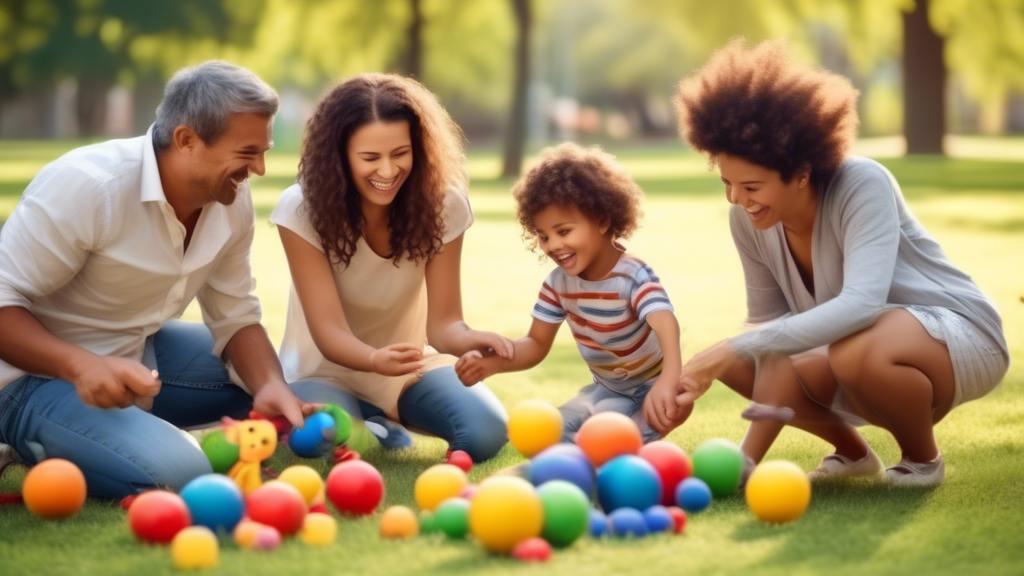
<point x="158" y="515"/>
<point x="355" y="487"/>
<point x="279" y="505"/>
<point x="673" y="465"/>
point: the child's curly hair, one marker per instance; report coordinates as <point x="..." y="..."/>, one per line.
<point x="587" y="179"/>
<point x="760" y="105"/>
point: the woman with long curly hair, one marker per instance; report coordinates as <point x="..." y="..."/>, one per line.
<point x="373" y="235"/>
<point x="859" y="315"/>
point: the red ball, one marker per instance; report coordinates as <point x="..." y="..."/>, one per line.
<point x="355" y="487"/>
<point x="279" y="505"/>
<point x="158" y="515"/>
<point x="673" y="465"/>
<point x="461" y="459"/>
<point x="678" y="518"/>
<point x="532" y="550"/>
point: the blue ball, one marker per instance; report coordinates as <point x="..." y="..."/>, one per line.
<point x="214" y="501"/>
<point x="316" y="437"/>
<point x="598" y="524"/>
<point x="628" y="522"/>
<point x="658" y="519"/>
<point x="693" y="495"/>
<point x="628" y="482"/>
<point x="563" y="462"/>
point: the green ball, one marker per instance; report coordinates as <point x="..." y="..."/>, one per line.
<point x="452" y="517"/>
<point x="719" y="463"/>
<point x="221" y="453"/>
<point x="566" y="512"/>
<point x="342" y="423"/>
<point x="427" y="524"/>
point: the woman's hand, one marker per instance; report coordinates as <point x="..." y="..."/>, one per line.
<point x="703" y="369"/>
<point x="474" y="368"/>
<point x="277" y="399"/>
<point x="397" y="360"/>
<point x="490" y="343"/>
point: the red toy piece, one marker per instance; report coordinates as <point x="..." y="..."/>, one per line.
<point x="319" y="509"/>
<point x="532" y="550"/>
<point x="345" y="454"/>
<point x="460" y="459"/>
<point x="11" y="499"/>
<point x="280" y="423"/>
<point x="678" y="518"/>
<point x="158" y="515"/>
<point x="355" y="487"/>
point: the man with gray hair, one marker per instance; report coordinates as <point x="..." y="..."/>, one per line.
<point x="105" y="250"/>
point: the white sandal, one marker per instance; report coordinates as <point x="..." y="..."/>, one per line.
<point x="922" y="474"/>
<point x="839" y="466"/>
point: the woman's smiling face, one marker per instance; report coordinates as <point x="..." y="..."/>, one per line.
<point x="760" y="191"/>
<point x="380" y="159"/>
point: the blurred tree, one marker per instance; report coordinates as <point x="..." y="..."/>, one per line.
<point x="515" y="135"/>
<point x="924" y="83"/>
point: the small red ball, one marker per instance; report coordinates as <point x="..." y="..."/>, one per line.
<point x="532" y="550"/>
<point x="461" y="459"/>
<point x="279" y="505"/>
<point x="158" y="515"/>
<point x="673" y="465"/>
<point x="355" y="487"/>
<point x="678" y="518"/>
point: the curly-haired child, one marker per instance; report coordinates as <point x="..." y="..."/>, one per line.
<point x="575" y="206"/>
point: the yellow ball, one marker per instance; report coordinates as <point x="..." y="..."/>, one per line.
<point x="195" y="547"/>
<point x="307" y="480"/>
<point x="778" y="491"/>
<point x="534" y="425"/>
<point x="399" y="522"/>
<point x="437" y="484"/>
<point x="246" y="531"/>
<point x="319" y="529"/>
<point x="505" y="511"/>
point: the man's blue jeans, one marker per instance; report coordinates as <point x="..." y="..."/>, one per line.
<point x="126" y="451"/>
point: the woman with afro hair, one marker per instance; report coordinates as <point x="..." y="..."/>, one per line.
<point x="859" y="317"/>
<point x="373" y="235"/>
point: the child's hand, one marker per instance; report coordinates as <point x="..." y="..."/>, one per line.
<point x="660" y="408"/>
<point x="473" y="367"/>
<point x="491" y="342"/>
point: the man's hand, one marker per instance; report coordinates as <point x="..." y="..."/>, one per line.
<point x="397" y="360"/>
<point x="109" y="382"/>
<point x="277" y="399"/>
<point x="474" y="367"/>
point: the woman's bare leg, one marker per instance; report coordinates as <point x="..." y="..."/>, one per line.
<point x="780" y="382"/>
<point x="900" y="378"/>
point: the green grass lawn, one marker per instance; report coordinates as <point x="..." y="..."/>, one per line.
<point x="971" y="524"/>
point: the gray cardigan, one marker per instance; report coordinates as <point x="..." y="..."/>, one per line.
<point x="869" y="254"/>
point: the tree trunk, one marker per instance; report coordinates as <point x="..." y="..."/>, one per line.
<point x="414" y="53"/>
<point x="515" y="135"/>
<point x="924" y="83"/>
<point x="92" y="107"/>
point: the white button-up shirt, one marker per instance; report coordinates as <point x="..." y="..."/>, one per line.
<point x="95" y="252"/>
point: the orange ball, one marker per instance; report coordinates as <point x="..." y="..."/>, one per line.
<point x="399" y="522"/>
<point x="606" y="435"/>
<point x="54" y="488"/>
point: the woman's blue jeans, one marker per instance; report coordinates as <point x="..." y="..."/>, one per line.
<point x="126" y="451"/>
<point x="470" y="419"/>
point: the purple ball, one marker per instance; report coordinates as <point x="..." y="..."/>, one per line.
<point x="563" y="462"/>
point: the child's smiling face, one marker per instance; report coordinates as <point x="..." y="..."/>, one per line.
<point x="576" y="243"/>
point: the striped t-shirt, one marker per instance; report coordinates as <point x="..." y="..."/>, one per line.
<point x="608" y="319"/>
